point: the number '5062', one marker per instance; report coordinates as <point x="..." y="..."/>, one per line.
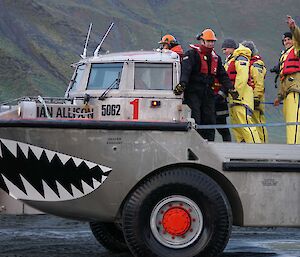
<point x="110" y="109"/>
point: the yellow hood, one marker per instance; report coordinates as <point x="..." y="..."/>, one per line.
<point x="242" y="50"/>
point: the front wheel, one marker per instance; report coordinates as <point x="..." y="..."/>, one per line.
<point x="109" y="235"/>
<point x="178" y="212"/>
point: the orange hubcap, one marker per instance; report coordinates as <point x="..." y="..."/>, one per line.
<point x="176" y="221"/>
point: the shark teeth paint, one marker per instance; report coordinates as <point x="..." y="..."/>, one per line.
<point x="28" y="172"/>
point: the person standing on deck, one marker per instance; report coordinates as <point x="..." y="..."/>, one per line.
<point x="169" y="42"/>
<point x="257" y="76"/>
<point x="290" y="82"/>
<point x="199" y="69"/>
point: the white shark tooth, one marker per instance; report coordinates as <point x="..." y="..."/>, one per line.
<point x="50" y="195"/>
<point x="86" y="188"/>
<point x="49" y="154"/>
<point x="104" y="169"/>
<point x="11" y="146"/>
<point x="77" y="193"/>
<point x="90" y="164"/>
<point x="24" y="148"/>
<point x="13" y="190"/>
<point x="32" y="193"/>
<point x="77" y="161"/>
<point x="103" y="179"/>
<point x="96" y="183"/>
<point x="63" y="157"/>
<point x="37" y="151"/>
<point x="63" y="193"/>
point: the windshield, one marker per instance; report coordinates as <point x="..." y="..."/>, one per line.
<point x="77" y="77"/>
<point x="153" y="76"/>
<point x="104" y="75"/>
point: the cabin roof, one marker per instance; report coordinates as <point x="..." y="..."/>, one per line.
<point x="139" y="56"/>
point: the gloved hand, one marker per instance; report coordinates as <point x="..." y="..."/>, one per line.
<point x="219" y="99"/>
<point x="275" y="69"/>
<point x="178" y="90"/>
<point x="234" y="94"/>
<point x="256" y="102"/>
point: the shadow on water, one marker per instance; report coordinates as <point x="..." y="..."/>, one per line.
<point x="243" y="254"/>
<point x="231" y="254"/>
<point x="237" y="254"/>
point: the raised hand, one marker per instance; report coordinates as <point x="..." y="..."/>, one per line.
<point x="291" y="22"/>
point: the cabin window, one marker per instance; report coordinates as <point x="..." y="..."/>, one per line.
<point x="153" y="76"/>
<point x="77" y="77"/>
<point x="105" y="75"/>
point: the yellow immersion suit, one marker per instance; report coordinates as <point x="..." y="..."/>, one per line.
<point x="258" y="73"/>
<point x="241" y="109"/>
<point x="290" y="89"/>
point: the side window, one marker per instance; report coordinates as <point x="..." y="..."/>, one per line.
<point x="103" y="75"/>
<point x="153" y="76"/>
<point x="77" y="77"/>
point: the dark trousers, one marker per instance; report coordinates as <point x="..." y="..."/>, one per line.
<point x="202" y="105"/>
<point x="224" y="132"/>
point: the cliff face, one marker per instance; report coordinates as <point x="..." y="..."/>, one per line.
<point x="39" y="39"/>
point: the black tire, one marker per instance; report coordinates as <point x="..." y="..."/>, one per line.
<point x="109" y="236"/>
<point x="164" y="194"/>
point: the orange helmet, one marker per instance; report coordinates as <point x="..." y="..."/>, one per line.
<point x="207" y="34"/>
<point x="168" y="39"/>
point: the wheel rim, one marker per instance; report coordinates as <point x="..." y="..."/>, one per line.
<point x="176" y="221"/>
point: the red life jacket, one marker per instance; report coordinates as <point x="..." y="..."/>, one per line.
<point x="291" y="63"/>
<point x="231" y="71"/>
<point x="178" y="49"/>
<point x="254" y="59"/>
<point x="203" y="61"/>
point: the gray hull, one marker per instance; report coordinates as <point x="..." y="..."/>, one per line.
<point x="86" y="169"/>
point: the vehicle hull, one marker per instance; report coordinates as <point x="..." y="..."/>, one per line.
<point x="263" y="190"/>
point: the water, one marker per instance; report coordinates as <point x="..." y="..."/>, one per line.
<point x="45" y="235"/>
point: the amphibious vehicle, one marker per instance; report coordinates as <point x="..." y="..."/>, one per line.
<point x="121" y="151"/>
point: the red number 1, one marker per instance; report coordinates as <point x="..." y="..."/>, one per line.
<point x="135" y="104"/>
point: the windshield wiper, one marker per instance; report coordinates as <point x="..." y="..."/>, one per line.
<point x="115" y="83"/>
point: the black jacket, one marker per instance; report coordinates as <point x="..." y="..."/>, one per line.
<point x="194" y="80"/>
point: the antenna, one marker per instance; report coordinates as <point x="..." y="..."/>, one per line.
<point x="161" y="35"/>
<point x="104" y="37"/>
<point x="86" y="41"/>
